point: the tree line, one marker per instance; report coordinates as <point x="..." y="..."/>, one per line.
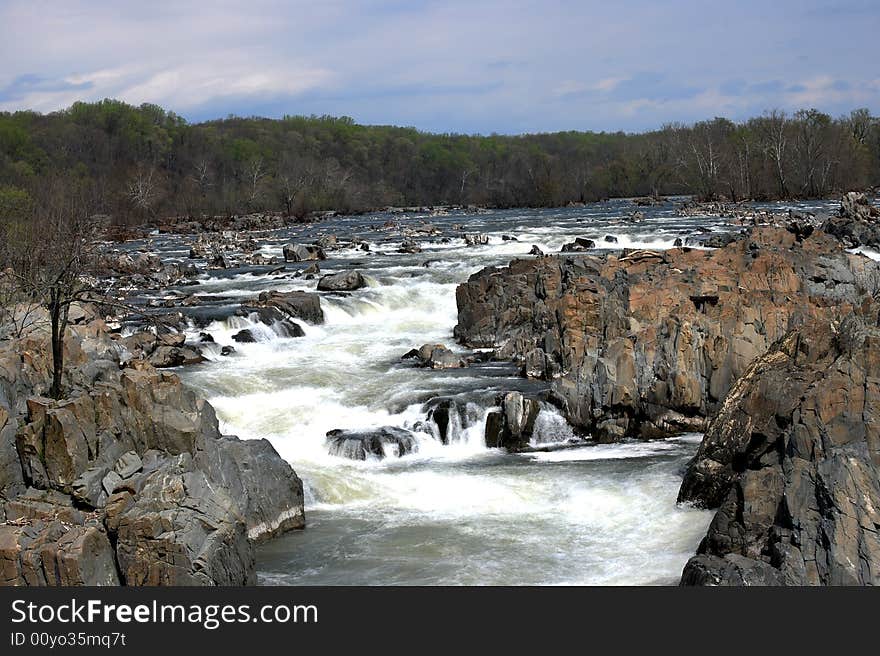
<point x="141" y="164"/>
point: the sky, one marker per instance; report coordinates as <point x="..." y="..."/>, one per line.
<point x="469" y="66"/>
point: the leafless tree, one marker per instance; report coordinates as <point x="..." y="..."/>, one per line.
<point x="50" y="261"/>
<point x="143" y="189"/>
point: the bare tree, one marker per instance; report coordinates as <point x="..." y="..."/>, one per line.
<point x="50" y="263"/>
<point x="774" y="136"/>
<point x="255" y="171"/>
<point x="143" y="190"/>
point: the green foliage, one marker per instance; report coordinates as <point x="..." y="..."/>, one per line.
<point x="146" y="157"/>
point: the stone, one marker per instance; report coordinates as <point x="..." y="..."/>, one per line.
<point x="792" y="463"/>
<point x="296" y="305"/>
<point x="579" y="245"/>
<point x="857" y="222"/>
<point x="129" y="463"/>
<point x="344" y="281"/>
<point x="476" y="239"/>
<point x="376" y="443"/>
<point x="244" y="336"/>
<point x="302" y="252"/>
<point x="511" y="426"/>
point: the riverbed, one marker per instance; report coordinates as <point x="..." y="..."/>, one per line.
<point x="455" y="513"/>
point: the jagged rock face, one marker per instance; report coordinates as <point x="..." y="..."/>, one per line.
<point x="647" y="344"/>
<point x="792" y="461"/>
<point x="169" y="500"/>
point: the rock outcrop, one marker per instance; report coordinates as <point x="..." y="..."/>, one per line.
<point x="792" y="461"/>
<point x="857" y="222"/>
<point x="645" y="343"/>
<point x="127" y="479"/>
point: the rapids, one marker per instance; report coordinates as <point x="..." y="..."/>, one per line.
<point x="446" y="514"/>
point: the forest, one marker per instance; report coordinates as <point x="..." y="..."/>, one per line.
<point x="140" y="164"/>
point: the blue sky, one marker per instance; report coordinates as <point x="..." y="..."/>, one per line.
<point x="462" y="66"/>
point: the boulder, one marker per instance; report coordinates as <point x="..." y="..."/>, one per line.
<point x="295" y="304"/>
<point x="245" y="336"/>
<point x="476" y="239"/>
<point x="302" y="253"/>
<point x="435" y="356"/>
<point x="344" y="281"/>
<point x="174" y="356"/>
<point x="579" y="245"/>
<point x="377" y="443"/>
<point x="409" y="246"/>
<point x="792" y="462"/>
<point x="511" y="427"/>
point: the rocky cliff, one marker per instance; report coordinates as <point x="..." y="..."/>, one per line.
<point x="127" y="480"/>
<point x="792" y="461"/>
<point x="642" y="343"/>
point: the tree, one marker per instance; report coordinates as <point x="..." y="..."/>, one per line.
<point x="50" y="257"/>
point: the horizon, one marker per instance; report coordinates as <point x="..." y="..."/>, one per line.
<point x="458" y="68"/>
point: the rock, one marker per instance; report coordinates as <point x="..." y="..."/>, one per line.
<point x="46" y="552"/>
<point x="711" y="240"/>
<point x="536" y="251"/>
<point x="129" y="463"/>
<point x="244" y="336"/>
<point x="476" y="239"/>
<point x="536" y="364"/>
<point x="128" y="480"/>
<point x="508" y="238"/>
<point x="344" y="281"/>
<point x="579" y="245"/>
<point x="857" y="222"/>
<point x="328" y="242"/>
<point x="610" y="239"/>
<point x="313" y="269"/>
<point x="173" y="356"/>
<point x="110" y="482"/>
<point x="648" y="344"/>
<point x="378" y="443"/>
<point x="409" y="246"/>
<point x="792" y="462"/>
<point x="227" y="350"/>
<point x="266" y="489"/>
<point x="271" y="316"/>
<point x="511" y="427"/>
<point x="302" y="252"/>
<point x="435" y="356"/>
<point x="447" y="416"/>
<point x="295" y="304"/>
<point x="218" y="262"/>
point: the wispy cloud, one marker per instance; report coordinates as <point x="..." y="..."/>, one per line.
<point x="462" y="65"/>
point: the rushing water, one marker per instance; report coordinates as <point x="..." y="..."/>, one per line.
<point x="454" y="514"/>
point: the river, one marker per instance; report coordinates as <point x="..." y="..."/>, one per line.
<point x="447" y="514"/>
